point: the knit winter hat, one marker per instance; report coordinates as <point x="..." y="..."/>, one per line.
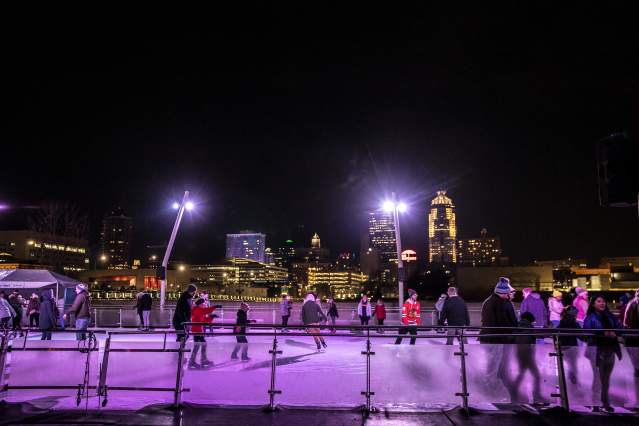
<point x="81" y="287"/>
<point x="503" y="286"/>
<point x="411" y="292"/>
<point x="192" y="288"/>
<point x="580" y="290"/>
<point x="556" y="293"/>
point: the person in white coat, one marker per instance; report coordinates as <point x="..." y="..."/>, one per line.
<point x="364" y="310"/>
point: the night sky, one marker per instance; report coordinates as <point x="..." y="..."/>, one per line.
<point x="274" y="118"/>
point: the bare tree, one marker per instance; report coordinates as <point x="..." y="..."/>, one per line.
<point x="60" y="218"/>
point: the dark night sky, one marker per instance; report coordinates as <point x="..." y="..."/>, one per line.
<point x="275" y="118"/>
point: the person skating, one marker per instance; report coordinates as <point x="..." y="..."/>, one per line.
<point x="555" y="308"/>
<point x="581" y="303"/>
<point x="569" y="343"/>
<point x="312" y="315"/>
<point x="81" y="308"/>
<point x="48" y="315"/>
<point x="380" y="313"/>
<point x="33" y="310"/>
<point x="286" y="306"/>
<point x="240" y="332"/>
<point x="200" y="314"/>
<point x="526" y="357"/>
<point x="182" y="312"/>
<point x="411" y="317"/>
<point x="138" y="310"/>
<point x="332" y="314"/>
<point x="601" y="350"/>
<point x="6" y="312"/>
<point x="145" y="304"/>
<point x="534" y="304"/>
<point x="364" y="310"/>
<point x="455" y="314"/>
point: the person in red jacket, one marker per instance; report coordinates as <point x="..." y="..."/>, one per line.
<point x="380" y="313"/>
<point x="411" y="317"/>
<point x="200" y="314"/>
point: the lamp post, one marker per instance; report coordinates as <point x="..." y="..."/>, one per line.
<point x="186" y="204"/>
<point x="396" y="207"/>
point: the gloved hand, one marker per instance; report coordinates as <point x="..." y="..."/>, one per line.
<point x="218" y="306"/>
<point x="214" y="316"/>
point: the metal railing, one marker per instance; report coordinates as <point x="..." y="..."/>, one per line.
<point x="90" y="345"/>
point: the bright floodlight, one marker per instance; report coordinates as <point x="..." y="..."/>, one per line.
<point x="176" y="206"/>
<point x="189" y="205"/>
<point x="402" y="207"/>
<point x="388" y="206"/>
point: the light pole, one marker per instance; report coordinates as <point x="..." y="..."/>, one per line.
<point x="186" y="204"/>
<point x="396" y="207"/>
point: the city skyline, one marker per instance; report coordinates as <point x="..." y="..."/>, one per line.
<point x="319" y="130"/>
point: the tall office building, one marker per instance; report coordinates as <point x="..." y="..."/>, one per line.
<point x="381" y="233"/>
<point x="442" y="230"/>
<point x="246" y="245"/>
<point x="482" y="251"/>
<point x="116" y="239"/>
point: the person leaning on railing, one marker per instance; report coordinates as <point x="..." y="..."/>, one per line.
<point x="601" y="350"/>
<point x="48" y="314"/>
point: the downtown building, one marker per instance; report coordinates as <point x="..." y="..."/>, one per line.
<point x="339" y="284"/>
<point x="482" y="251"/>
<point x="116" y="240"/>
<point x="246" y="245"/>
<point x="383" y="245"/>
<point x="442" y="230"/>
<point x="22" y="249"/>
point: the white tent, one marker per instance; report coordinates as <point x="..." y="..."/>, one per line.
<point x="35" y="279"/>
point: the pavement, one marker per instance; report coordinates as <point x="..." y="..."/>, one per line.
<point x="27" y="414"/>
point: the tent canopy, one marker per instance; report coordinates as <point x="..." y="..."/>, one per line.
<point x="34" y="278"/>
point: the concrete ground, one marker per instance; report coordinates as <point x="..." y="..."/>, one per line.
<point x="25" y="414"/>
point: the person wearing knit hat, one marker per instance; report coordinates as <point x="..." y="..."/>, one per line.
<point x="182" y="312"/>
<point x="555" y="308"/>
<point x="240" y="332"/>
<point x="411" y="317"/>
<point x="81" y="309"/>
<point x="581" y="303"/>
<point x="498" y="311"/>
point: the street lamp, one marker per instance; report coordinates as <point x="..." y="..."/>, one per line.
<point x="396" y="207"/>
<point x="185" y="204"/>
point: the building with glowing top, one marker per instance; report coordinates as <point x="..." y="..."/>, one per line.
<point x="442" y="230"/>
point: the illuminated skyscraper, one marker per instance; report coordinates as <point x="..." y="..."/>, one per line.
<point x="481" y="251"/>
<point x="381" y="233"/>
<point x="442" y="230"/>
<point x="246" y="245"/>
<point x="116" y="239"/>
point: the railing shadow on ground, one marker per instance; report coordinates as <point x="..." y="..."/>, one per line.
<point x="366" y="369"/>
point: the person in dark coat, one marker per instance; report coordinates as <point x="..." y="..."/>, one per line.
<point x="312" y="315"/>
<point x="240" y="332"/>
<point x="454" y="313"/>
<point x="48" y="315"/>
<point x="569" y="344"/>
<point x="33" y="310"/>
<point x="145" y="304"/>
<point x="526" y="358"/>
<point x="15" y="300"/>
<point x="498" y="311"/>
<point x="182" y="312"/>
<point x="81" y="309"/>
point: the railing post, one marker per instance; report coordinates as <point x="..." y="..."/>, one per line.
<point x="367" y="393"/>
<point x="120" y="317"/>
<point x="95" y="315"/>
<point x="4" y="346"/>
<point x="561" y="374"/>
<point x="102" y="388"/>
<point x="177" y="399"/>
<point x="464" y="377"/>
<point x="272" y="391"/>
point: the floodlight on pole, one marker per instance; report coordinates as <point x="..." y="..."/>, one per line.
<point x="395" y="207"/>
<point x="169" y="247"/>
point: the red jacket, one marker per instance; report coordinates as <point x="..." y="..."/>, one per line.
<point x="199" y="314"/>
<point x="380" y="312"/>
<point x="410" y="313"/>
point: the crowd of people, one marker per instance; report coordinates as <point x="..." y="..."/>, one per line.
<point x="502" y="326"/>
